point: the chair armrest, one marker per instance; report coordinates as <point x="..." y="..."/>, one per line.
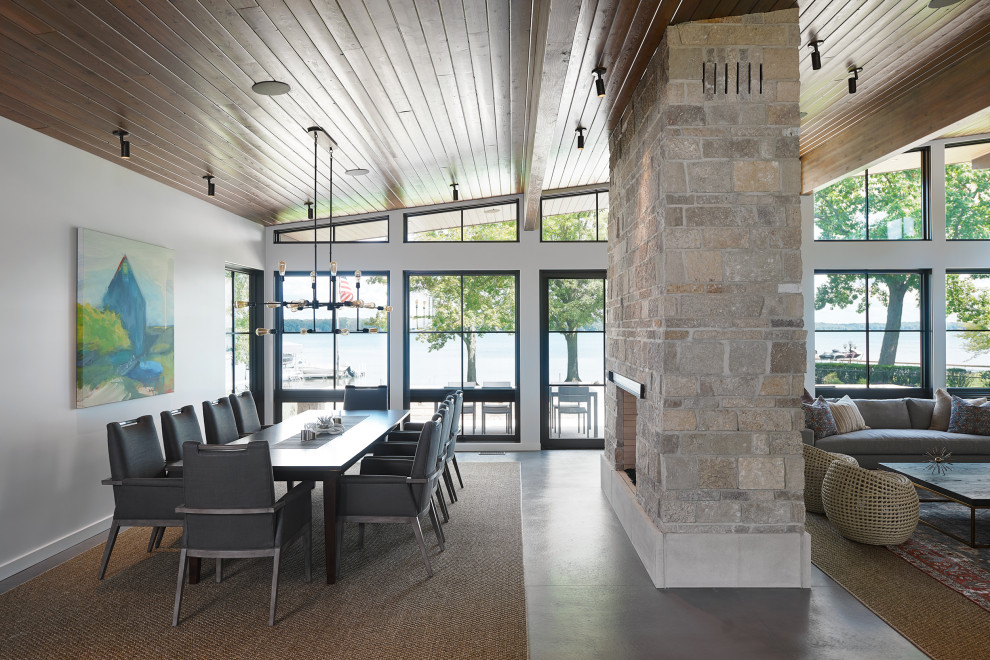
<point x="225" y="512"/>
<point x="386" y="465"/>
<point x="166" y="482"/>
<point x="403" y="449"/>
<point x="373" y="479"/>
<point x="402" y="436"/>
<point x="299" y="490"/>
<point x="413" y="426"/>
<point x="109" y="481"/>
<point x="808" y="437"/>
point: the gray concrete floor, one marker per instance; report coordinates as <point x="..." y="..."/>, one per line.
<point x="588" y="595"/>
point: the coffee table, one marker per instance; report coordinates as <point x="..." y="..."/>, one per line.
<point x="965" y="483"/>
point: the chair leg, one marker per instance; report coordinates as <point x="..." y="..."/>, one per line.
<point x="161" y="536"/>
<point x="361" y="535"/>
<point x="442" y="505"/>
<point x="449" y="481"/>
<point x="435" y="521"/>
<point x="308" y="549"/>
<point x="111" y="539"/>
<point x="154" y="537"/>
<point x="219" y="569"/>
<point x="271" y="610"/>
<point x="418" y="531"/>
<point x="178" y="587"/>
<point x="457" y="470"/>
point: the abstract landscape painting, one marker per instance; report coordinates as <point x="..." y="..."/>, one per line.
<point x="125" y="346"/>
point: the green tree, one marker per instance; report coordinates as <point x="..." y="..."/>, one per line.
<point x="971" y="305"/>
<point x="466" y="307"/>
<point x="575" y="304"/>
<point x="967" y="202"/>
<point x="99" y="331"/>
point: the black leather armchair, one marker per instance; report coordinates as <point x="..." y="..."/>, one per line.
<point x="230" y="511"/>
<point x="218" y="418"/>
<point x="395" y="490"/>
<point x="142" y="493"/>
<point x="245" y="413"/>
<point x="179" y="427"/>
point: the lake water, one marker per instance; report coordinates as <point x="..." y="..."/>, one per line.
<point x="908" y="348"/>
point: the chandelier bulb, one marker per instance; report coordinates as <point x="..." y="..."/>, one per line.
<point x="281" y="268"/>
<point x="333" y="268"/>
<point x="261" y="332"/>
<point x="344" y="331"/>
<point x="357" y="275"/>
<point x="373" y="331"/>
<point x="388" y="309"/>
<point x="241" y="304"/>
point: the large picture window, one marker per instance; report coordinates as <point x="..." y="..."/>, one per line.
<point x="313" y="369"/>
<point x="967" y="192"/>
<point x="577" y="217"/>
<point x="967" y="329"/>
<point x="887" y="202"/>
<point x="461" y="334"/>
<point x="240" y="323"/>
<point x="489" y="223"/>
<point x="872" y="330"/>
<point x="367" y="230"/>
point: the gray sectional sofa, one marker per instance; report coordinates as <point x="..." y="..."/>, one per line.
<point x="899" y="432"/>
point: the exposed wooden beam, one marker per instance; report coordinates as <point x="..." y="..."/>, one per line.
<point x="920" y="114"/>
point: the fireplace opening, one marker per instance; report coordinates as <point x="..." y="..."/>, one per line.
<point x="626" y="432"/>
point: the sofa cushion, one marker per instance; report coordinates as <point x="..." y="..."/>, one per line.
<point x="818" y="418"/>
<point x="943" y="409"/>
<point x="969" y="418"/>
<point x="904" y="442"/>
<point x="847" y="415"/>
<point x="884" y="413"/>
<point x="920" y="411"/>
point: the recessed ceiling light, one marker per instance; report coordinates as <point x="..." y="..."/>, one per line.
<point x="939" y="4"/>
<point x="357" y="171"/>
<point x="270" y="88"/>
<point x="493" y="209"/>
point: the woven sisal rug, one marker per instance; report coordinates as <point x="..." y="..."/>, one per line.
<point x="382" y="606"/>
<point x="940" y="621"/>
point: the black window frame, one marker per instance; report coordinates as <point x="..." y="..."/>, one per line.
<point x="547" y="441"/>
<point x="945" y="214"/>
<point x="328" y="394"/>
<point x="926" y="204"/>
<point x="925" y="340"/>
<point x="256" y="346"/>
<point x="476" y="395"/>
<point x="461" y="209"/>
<point x="333" y="226"/>
<point x="968" y="392"/>
<point x="598" y="207"/>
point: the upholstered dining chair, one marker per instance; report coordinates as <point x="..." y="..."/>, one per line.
<point x="230" y="510"/>
<point x="390" y="490"/>
<point x="218" y="418"/>
<point x="142" y="493"/>
<point x="365" y="398"/>
<point x="497" y="407"/>
<point x="178" y="427"/>
<point x="245" y="413"/>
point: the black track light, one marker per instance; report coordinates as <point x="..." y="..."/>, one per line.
<point x="855" y="76"/>
<point x="816" y="57"/>
<point x="580" y="140"/>
<point x="125" y="146"/>
<point x="456" y="196"/>
<point x="309" y="210"/>
<point x="211" y="188"/>
<point x="600" y="81"/>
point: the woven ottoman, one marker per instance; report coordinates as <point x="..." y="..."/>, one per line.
<point x="869" y="506"/>
<point x="816" y="462"/>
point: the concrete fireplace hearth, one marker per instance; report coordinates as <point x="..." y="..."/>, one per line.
<point x="705" y="311"/>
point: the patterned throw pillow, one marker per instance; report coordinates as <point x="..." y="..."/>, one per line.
<point x="847" y="416"/>
<point x="818" y="418"/>
<point x="969" y="418"/>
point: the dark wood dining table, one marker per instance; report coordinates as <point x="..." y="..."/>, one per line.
<point x="323" y="459"/>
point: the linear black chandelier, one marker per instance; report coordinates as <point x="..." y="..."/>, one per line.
<point x="333" y="305"/>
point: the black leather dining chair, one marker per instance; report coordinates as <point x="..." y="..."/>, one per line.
<point x="392" y="490"/>
<point x="143" y="495"/>
<point x="218" y="418"/>
<point x="230" y="511"/>
<point x="178" y="427"/>
<point x="245" y="413"/>
<point x="365" y="398"/>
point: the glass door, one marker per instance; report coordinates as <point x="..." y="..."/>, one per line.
<point x="572" y="353"/>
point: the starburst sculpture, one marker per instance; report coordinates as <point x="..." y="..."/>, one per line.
<point x="938" y="460"/>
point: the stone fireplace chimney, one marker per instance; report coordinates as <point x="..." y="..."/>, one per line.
<point x="705" y="308"/>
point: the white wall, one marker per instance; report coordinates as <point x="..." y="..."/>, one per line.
<point x="936" y="254"/>
<point x="52" y="456"/>
<point x="529" y="256"/>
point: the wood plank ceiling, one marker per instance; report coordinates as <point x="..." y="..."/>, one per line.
<point x="905" y="48"/>
<point x="422" y="93"/>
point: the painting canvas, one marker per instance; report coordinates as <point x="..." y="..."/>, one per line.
<point x="125" y="346"/>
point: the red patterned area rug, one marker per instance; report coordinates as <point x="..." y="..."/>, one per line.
<point x="954" y="564"/>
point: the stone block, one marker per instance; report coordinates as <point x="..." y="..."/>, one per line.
<point x="748" y="357"/>
<point x="752" y="265"/>
<point x="717" y="420"/>
<point x="785" y="114"/>
<point x="702" y="265"/>
<point x="685" y="115"/>
<point x="761" y="473"/>
<point x="755" y="176"/>
<point x="781" y="63"/>
<point x="789" y="357"/>
<point x="679" y="420"/>
<point x="685" y="63"/>
<point x="731" y="148"/>
<point x="771" y="419"/>
<point x="682" y="149"/>
<point x="709" y="176"/>
<point x="788" y="91"/>
<point x="700" y="357"/>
